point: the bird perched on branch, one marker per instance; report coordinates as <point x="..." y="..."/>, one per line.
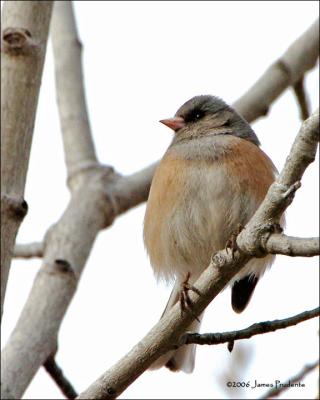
<point x="210" y="181"/>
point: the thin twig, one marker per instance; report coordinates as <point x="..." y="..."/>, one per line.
<point x="28" y="250"/>
<point x="302" y="98"/>
<point x="275" y="391"/>
<point x="247" y="333"/>
<point x="57" y="375"/>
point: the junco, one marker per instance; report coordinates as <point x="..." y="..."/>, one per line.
<point x="210" y="181"/>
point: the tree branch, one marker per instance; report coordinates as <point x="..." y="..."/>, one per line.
<point x="302" y="98"/>
<point x="76" y="133"/>
<point x="28" y="250"/>
<point x="25" y="26"/>
<point x="247" y="333"/>
<point x="57" y="375"/>
<point x="223" y="267"/>
<point x="274" y="392"/>
<point x="300" y="57"/>
<point x="130" y="191"/>
<point x="292" y="246"/>
<point x="303" y="151"/>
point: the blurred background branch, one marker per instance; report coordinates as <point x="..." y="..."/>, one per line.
<point x="276" y="391"/>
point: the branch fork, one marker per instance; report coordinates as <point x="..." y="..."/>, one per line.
<point x="18" y="41"/>
<point x="14" y="206"/>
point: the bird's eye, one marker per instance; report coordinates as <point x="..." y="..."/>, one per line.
<point x="194" y="115"/>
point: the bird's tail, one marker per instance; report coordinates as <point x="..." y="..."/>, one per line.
<point x="182" y="359"/>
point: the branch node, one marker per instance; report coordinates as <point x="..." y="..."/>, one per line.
<point x="217" y="260"/>
<point x="111" y="391"/>
<point x="64" y="266"/>
<point x="85" y="166"/>
<point x="230" y="345"/>
<point x="111" y="210"/>
<point x="264" y="111"/>
<point x="17" y="41"/>
<point x="289" y="194"/>
<point x="265" y="234"/>
<point x="16" y="207"/>
<point x="285" y="69"/>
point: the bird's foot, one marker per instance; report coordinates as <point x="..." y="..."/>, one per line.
<point x="232" y="241"/>
<point x="185" y="301"/>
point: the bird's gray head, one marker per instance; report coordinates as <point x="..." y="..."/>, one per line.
<point x="209" y="115"/>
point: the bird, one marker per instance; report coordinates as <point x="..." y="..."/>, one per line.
<point x="210" y="182"/>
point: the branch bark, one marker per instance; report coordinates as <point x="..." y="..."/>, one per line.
<point x="25" y="26"/>
<point x="247" y="333"/>
<point x="130" y="191"/>
<point x="98" y="195"/>
<point x="166" y="333"/>
<point x="292" y="246"/>
<point x="28" y="250"/>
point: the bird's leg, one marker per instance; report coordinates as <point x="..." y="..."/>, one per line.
<point x="186" y="285"/>
<point x="185" y="301"/>
<point x="232" y="241"/>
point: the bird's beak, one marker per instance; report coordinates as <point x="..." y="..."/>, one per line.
<point x="174" y="123"/>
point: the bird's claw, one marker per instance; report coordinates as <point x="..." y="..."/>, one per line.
<point x="232" y="241"/>
<point x="185" y="301"/>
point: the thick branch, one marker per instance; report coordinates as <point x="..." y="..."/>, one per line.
<point x="300" y="57"/>
<point x="77" y="139"/>
<point x="67" y="244"/>
<point x="274" y="392"/>
<point x="166" y="333"/>
<point x="132" y="190"/>
<point x="28" y="250"/>
<point x="247" y="333"/>
<point x="292" y="246"/>
<point x="24" y="35"/>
